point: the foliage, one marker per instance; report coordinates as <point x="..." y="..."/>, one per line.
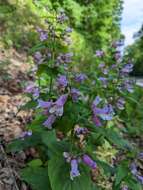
<point x="135" y="53"/>
<point x="77" y="115"/>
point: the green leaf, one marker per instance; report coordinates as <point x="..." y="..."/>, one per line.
<point x="19" y="144"/>
<point x="121" y="173"/>
<point x="36" y="177"/>
<point x="44" y="68"/>
<point x="35" y="163"/>
<point x="114" y="138"/>
<point x="29" y="105"/>
<point x="133" y="184"/>
<point x="108" y="170"/>
<point x="49" y="138"/>
<point x="59" y="175"/>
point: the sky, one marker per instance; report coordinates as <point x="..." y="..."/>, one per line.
<point x="132" y="19"/>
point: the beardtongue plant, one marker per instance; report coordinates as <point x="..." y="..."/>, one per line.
<point x="75" y="113"/>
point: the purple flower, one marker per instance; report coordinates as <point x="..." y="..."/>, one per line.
<point x="88" y="161"/>
<point x="103" y="81"/>
<point x="99" y="53"/>
<point x="74" y="169"/>
<point x="61" y="18"/>
<point x="61" y="100"/>
<point x="117" y="56"/>
<point x="75" y="93"/>
<point x="43" y="36"/>
<point x="68" y="30"/>
<point x="38" y="57"/>
<point x="127" y="68"/>
<point x="62" y="81"/>
<point x="31" y="88"/>
<point x="125" y="188"/>
<point x="105" y="71"/>
<point x="81" y="131"/>
<point x="96" y="121"/>
<point x="64" y="58"/>
<point x="101" y="65"/>
<point x="26" y="134"/>
<point x="141" y="155"/>
<point x="44" y="104"/>
<point x="134" y="169"/>
<point x="120" y="103"/>
<point x="105" y="113"/>
<point x="96" y="101"/>
<point x="57" y="107"/>
<point x="80" y="78"/>
<point x="140" y="178"/>
<point x="49" y="122"/>
<point x="128" y="85"/>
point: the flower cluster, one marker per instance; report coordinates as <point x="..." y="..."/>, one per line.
<point x="65" y="92"/>
<point x="106" y="113"/>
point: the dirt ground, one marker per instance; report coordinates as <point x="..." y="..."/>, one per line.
<point x="14" y="68"/>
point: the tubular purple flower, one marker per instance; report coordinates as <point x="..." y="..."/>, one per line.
<point x="75" y="93"/>
<point x="96" y="121"/>
<point x="88" y="161"/>
<point x="38" y="57"/>
<point x="68" y="30"/>
<point x="117" y="56"/>
<point x="81" y="131"/>
<point x="105" y="71"/>
<point x="140" y="178"/>
<point x="74" y="169"/>
<point x="26" y="134"/>
<point x="80" y="78"/>
<point x="64" y="58"/>
<point x="50" y="121"/>
<point x="120" y="103"/>
<point x="61" y="18"/>
<point x="127" y="68"/>
<point x="134" y="169"/>
<point x="57" y="107"/>
<point x="31" y="88"/>
<point x="96" y="101"/>
<point x="99" y="53"/>
<point x="62" y="81"/>
<point x="44" y="104"/>
<point x="106" y="113"/>
<point x="141" y="155"/>
<point x="125" y="188"/>
<point x="101" y="65"/>
<point x="128" y="85"/>
<point x="104" y="81"/>
<point x="43" y="36"/>
<point x="61" y="100"/>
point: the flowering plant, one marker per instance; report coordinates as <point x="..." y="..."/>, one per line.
<point x="75" y="114"/>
